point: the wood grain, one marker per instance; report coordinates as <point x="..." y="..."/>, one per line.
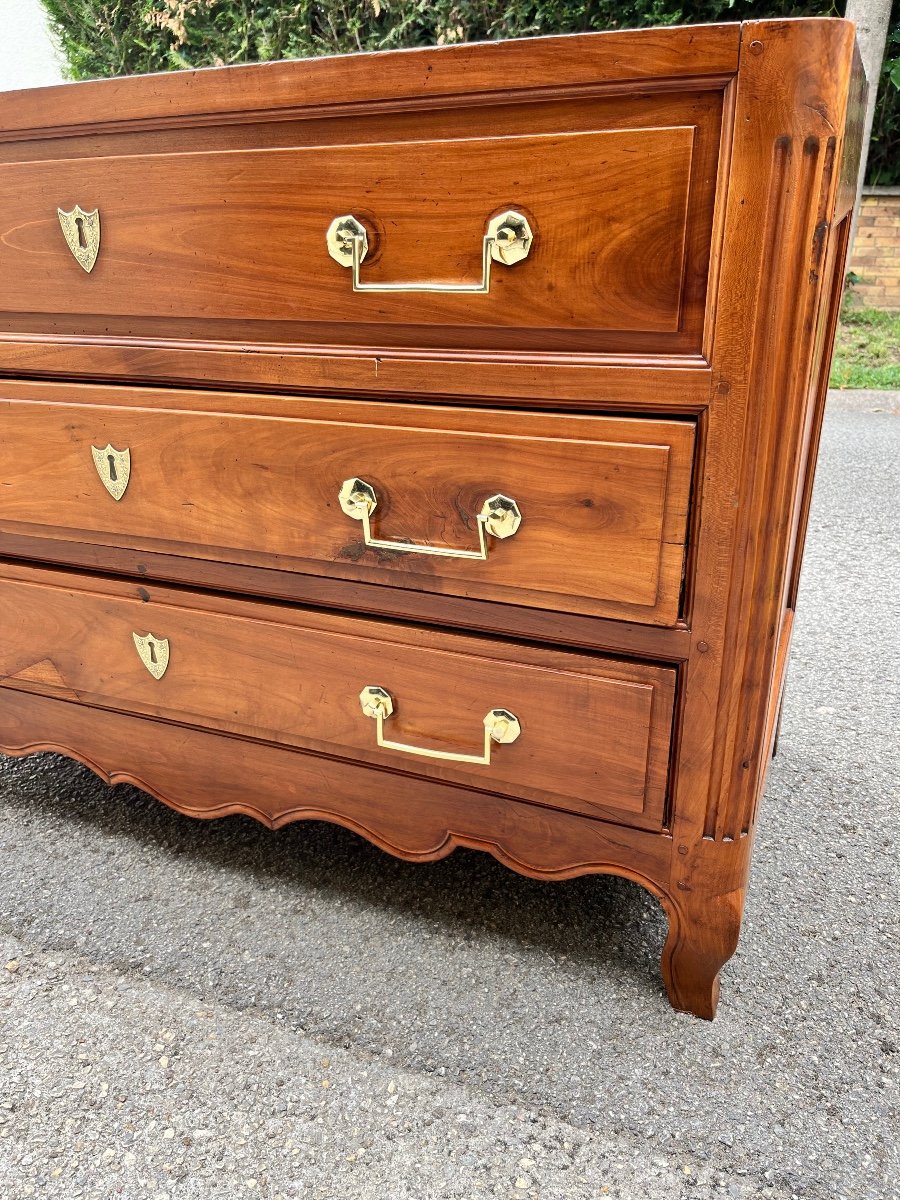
<point x="569" y="383"/>
<point x="408" y="604"/>
<point x="791" y="124"/>
<point x="291" y="677"/>
<point x="717" y="322"/>
<point x="604" y="501"/>
<point x="194" y="773"/>
<point x="226" y="261"/>
<point x="433" y="76"/>
<point x="240" y="236"/>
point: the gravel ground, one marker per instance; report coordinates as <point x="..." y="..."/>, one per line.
<point x="194" y="1010"/>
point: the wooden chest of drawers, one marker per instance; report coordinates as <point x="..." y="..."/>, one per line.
<point x="424" y="441"/>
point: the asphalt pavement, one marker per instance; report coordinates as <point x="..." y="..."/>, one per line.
<point x="211" y="1011"/>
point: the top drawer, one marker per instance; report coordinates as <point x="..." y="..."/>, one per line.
<point x="206" y="234"/>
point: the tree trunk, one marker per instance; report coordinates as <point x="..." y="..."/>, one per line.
<point x="872" y="18"/>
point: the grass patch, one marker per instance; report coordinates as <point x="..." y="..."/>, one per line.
<point x="867" y="349"/>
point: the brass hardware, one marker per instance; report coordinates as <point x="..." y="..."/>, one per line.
<point x="154" y="653"/>
<point x="340" y="236"/>
<point x="82" y="233"/>
<point x="375" y="700"/>
<point x="499" y="516"/>
<point x="114" y="468"/>
<point x="500" y="726"/>
<point x="507" y="240"/>
<point x="510" y="237"/>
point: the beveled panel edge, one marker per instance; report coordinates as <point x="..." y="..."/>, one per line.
<point x="352" y="404"/>
<point x="424" y="75"/>
<point x="511" y="96"/>
<point x="601" y="634"/>
<point x="557" y="381"/>
<point x="164" y="592"/>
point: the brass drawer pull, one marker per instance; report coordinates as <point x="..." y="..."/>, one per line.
<point x="499" y="516"/>
<point x="508" y="240"/>
<point x="499" y="726"/>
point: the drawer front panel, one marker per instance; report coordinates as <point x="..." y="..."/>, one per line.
<point x="231" y="243"/>
<point x="603" y="501"/>
<point x="594" y="732"/>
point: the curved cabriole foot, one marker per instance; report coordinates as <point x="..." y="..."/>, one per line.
<point x="702" y="938"/>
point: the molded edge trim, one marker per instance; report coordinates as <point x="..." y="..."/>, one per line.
<point x="423" y="75"/>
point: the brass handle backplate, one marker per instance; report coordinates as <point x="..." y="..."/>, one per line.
<point x="500" y="517"/>
<point x="507" y="241"/>
<point x="500" y="726"/>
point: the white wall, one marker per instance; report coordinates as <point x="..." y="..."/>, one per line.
<point x="27" y="56"/>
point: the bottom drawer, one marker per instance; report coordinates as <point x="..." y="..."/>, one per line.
<point x="574" y="731"/>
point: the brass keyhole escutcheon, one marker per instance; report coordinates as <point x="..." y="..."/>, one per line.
<point x="114" y="468"/>
<point x="81" y="229"/>
<point x="153" y="653"/>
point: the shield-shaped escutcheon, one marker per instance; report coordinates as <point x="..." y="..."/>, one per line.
<point x="82" y="233"/>
<point x="114" y="468"/>
<point x="154" y="653"/>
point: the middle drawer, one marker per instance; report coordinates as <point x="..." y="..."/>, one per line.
<point x="581" y="514"/>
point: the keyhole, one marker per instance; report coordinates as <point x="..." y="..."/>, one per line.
<point x="152" y="649"/>
<point x="113" y="477"/>
<point x="82" y="240"/>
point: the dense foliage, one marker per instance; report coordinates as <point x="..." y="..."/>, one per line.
<point x="884" y="154"/>
<point x="115" y="37"/>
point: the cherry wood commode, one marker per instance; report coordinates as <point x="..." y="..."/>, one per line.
<point x="424" y="441"/>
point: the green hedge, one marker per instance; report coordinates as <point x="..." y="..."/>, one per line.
<point x="117" y="37"/>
